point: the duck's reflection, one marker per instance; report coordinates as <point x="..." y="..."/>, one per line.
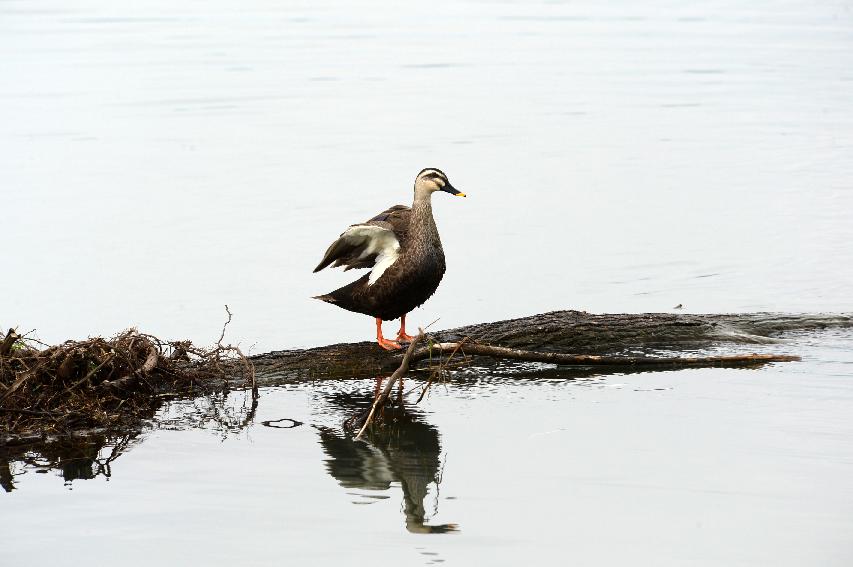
<point x="405" y="449"/>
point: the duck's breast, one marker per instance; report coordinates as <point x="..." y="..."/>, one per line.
<point x="408" y="283"/>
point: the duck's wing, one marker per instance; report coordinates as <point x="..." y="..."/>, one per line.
<point x="372" y="244"/>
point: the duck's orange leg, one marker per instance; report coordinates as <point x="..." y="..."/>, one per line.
<point x="387" y="344"/>
<point x="401" y="335"/>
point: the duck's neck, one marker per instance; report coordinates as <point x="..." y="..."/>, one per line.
<point x="422" y="223"/>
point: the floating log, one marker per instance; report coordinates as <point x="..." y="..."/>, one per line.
<point x="574" y="333"/>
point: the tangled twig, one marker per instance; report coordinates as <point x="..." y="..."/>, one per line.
<point x="103" y="383"/>
<point x="439" y="370"/>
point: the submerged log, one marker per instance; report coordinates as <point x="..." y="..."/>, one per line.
<point x="568" y="332"/>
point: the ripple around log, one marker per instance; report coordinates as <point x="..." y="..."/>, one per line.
<point x="575" y="332"/>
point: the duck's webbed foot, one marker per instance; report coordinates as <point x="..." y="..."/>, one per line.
<point x="387" y="344"/>
<point x="401" y="334"/>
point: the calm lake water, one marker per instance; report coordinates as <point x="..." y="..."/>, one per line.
<point x="158" y="161"/>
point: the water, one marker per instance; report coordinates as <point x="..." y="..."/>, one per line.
<point x="162" y="160"/>
<point x="159" y="161"/>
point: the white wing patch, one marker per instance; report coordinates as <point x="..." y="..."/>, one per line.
<point x="383" y="262"/>
<point x="380" y="241"/>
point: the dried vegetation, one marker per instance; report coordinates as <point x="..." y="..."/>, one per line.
<point x="105" y="384"/>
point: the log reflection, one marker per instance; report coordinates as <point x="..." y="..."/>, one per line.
<point x="71" y="458"/>
<point x="92" y="453"/>
<point x="405" y="450"/>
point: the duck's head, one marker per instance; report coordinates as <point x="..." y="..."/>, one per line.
<point x="430" y="180"/>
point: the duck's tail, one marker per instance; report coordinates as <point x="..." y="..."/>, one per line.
<point x="327" y="298"/>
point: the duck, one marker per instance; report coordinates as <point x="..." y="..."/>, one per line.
<point x="402" y="248"/>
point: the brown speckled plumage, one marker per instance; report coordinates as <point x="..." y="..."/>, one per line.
<point x="412" y="278"/>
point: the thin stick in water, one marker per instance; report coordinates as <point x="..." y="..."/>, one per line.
<point x="399" y="373"/>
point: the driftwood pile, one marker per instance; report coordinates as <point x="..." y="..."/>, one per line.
<point x="104" y="383"/>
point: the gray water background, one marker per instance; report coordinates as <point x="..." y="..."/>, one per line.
<point x="159" y="160"/>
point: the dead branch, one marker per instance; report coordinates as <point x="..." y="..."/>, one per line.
<point x="88" y="375"/>
<point x="442" y="368"/>
<point x="471" y="348"/>
<point x="399" y="373"/>
<point x="15" y="385"/>
<point x="150" y="361"/>
<point x="224" y="326"/>
<point x="8" y="342"/>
